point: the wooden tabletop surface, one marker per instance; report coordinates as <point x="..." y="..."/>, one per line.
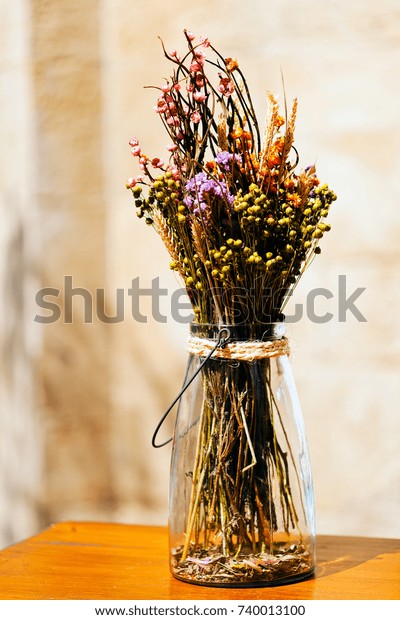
<point x="102" y="561"/>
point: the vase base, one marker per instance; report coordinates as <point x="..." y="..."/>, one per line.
<point x="248" y="584"/>
<point x="209" y="566"/>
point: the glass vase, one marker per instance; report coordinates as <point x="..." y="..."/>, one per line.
<point x="241" y="499"/>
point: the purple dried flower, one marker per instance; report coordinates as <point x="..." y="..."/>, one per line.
<point x="201" y="189"/>
<point x="224" y="160"/>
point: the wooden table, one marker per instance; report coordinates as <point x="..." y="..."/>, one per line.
<point x="102" y="561"/>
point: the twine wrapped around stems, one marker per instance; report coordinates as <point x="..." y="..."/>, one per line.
<point x="247" y="350"/>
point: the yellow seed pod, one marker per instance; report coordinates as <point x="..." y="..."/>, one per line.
<point x="181" y="218"/>
<point x="317" y="234"/>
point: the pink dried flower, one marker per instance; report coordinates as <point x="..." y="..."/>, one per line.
<point x="161" y="106"/>
<point x="175" y="173"/>
<point x="171" y="148"/>
<point x="177" y="86"/>
<point x="199" y="80"/>
<point x="190" y="35"/>
<point x="133" y="142"/>
<point x="131" y="182"/>
<point x="173" y="120"/>
<point x="226" y="86"/>
<point x="199" y="96"/>
<point x="204" y="41"/>
<point x="136" y="150"/>
<point x="165" y="88"/>
<point x="195" y="117"/>
<point x="143" y="162"/>
<point x="156" y="162"/>
<point x="195" y="66"/>
<point x="200" y="57"/>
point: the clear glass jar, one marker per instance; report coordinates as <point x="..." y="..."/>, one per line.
<point x="241" y="496"/>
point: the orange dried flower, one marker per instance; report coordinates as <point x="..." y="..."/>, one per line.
<point x="289" y="183"/>
<point x="231" y="64"/>
<point x="294" y="199"/>
<point x="237" y="133"/>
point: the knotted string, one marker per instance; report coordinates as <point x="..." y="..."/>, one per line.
<point x="247" y="351"/>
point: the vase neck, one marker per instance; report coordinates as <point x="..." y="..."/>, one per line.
<point x="240" y="332"/>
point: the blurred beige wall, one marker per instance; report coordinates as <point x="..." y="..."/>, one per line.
<point x="79" y="401"/>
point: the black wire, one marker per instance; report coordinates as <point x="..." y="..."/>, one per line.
<point x="221" y="342"/>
